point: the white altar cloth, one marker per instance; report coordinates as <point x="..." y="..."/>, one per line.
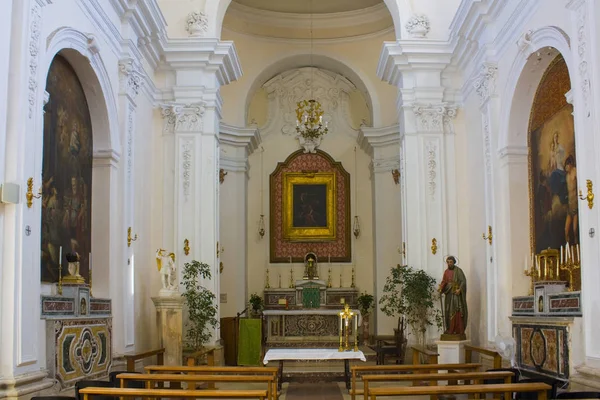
<point x="312" y="354"/>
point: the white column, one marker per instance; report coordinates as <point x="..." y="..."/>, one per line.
<point x="20" y="147"/>
<point x="191" y="149"/>
<point x="382" y="144"/>
<point x="129" y="86"/>
<point x="429" y="207"/>
<point x="586" y="89"/>
<point x="236" y="145"/>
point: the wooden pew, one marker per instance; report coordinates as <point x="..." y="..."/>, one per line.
<point x="173" y="393"/>
<point x="432" y="356"/>
<point x="451" y="377"/>
<point x="482" y="350"/>
<point x="210" y="357"/>
<point x="152" y="379"/>
<point x="540" y="388"/>
<point x="390" y="369"/>
<point x="131" y="358"/>
<point x="204" y="369"/>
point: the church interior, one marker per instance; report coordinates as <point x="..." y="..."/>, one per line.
<point x="299" y="199"/>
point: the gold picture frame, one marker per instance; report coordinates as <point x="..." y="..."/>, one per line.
<point x="309" y="200"/>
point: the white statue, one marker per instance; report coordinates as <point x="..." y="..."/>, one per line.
<point x="168" y="271"/>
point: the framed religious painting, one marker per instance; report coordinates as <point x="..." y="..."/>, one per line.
<point x="309" y="200"/>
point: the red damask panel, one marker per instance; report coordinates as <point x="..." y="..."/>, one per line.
<point x="339" y="249"/>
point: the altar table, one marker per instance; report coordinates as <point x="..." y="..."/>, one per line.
<point x="313" y="355"/>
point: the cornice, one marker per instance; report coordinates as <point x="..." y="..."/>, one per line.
<point x="240" y="137"/>
<point x="370" y="138"/>
<point x="299" y="41"/>
<point x="405" y="55"/>
<point x="201" y="53"/>
<point x="340" y="20"/>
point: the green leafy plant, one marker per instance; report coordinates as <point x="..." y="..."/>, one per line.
<point x="256" y="303"/>
<point x="200" y="302"/>
<point x="365" y="303"/>
<point x="412" y="294"/>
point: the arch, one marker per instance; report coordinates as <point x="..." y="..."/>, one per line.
<point x="514" y="126"/>
<point x="81" y="51"/>
<point x="216" y="9"/>
<point x="323" y="61"/>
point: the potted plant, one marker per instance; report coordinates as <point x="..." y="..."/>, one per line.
<point x="365" y="304"/>
<point x="201" y="304"/>
<point x="256" y="305"/>
<point x="411" y="294"/>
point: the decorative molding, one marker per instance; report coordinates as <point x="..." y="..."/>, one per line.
<point x="524" y="42"/>
<point x="485" y="83"/>
<point x="196" y="23"/>
<point x="183" y="118"/>
<point x="370" y="139"/>
<point x="386" y="164"/>
<point x="584" y="73"/>
<point x="186" y="166"/>
<point x="434" y="117"/>
<point x="47" y="97"/>
<point x="130" y="122"/>
<point x="309" y="145"/>
<point x="230" y="135"/>
<point x="131" y="79"/>
<point x="34" y="49"/>
<point x="431" y="153"/>
<point x="487" y="144"/>
<point x="417" y="26"/>
<point x="288" y="88"/>
<point x="92" y="44"/>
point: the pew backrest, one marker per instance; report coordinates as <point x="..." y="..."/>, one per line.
<point x="540" y="388"/>
<point x="90" y="392"/>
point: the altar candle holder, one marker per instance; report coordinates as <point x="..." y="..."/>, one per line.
<point x="291" y="278"/>
<point x="570" y="264"/>
<point x="531" y="272"/>
<point x="353" y="284"/>
<point x="329" y="284"/>
<point x="60" y="291"/>
<point x="267" y="285"/>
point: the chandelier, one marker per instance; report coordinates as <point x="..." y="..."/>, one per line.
<point x="309" y="119"/>
<point x="309" y="114"/>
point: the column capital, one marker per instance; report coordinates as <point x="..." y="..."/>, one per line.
<point x="130" y="78"/>
<point x="236" y="145"/>
<point x="183" y="118"/>
<point x="434" y="117"/>
<point x="485" y="82"/>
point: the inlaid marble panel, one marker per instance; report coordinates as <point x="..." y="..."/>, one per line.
<point x="543" y="349"/>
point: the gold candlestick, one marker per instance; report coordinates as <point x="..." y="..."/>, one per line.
<point x="353" y="284"/>
<point x="292" y="285"/>
<point x="329" y="279"/>
<point x="60" y="278"/>
<point x="570" y="265"/>
<point x="531" y="272"/>
<point x="267" y="285"/>
<point x="279" y="280"/>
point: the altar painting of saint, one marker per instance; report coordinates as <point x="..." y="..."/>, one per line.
<point x="553" y="163"/>
<point x="310" y="206"/>
<point x="66" y="172"/>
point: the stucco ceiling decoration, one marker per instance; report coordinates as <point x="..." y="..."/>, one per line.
<point x="375" y="18"/>
<point x="305" y="7"/>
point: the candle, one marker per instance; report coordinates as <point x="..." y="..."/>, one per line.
<point x="340" y="323"/>
<point x="578" y="259"/>
<point x="537" y="266"/>
<point x="290" y="259"/>
<point x="561" y="255"/>
<point x="60" y="256"/>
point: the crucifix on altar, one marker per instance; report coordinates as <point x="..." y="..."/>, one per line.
<point x="346" y="318"/>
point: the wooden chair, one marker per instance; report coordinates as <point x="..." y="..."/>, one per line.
<point x="394" y="349"/>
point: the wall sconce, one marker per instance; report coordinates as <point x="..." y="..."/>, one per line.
<point x="396" y="176"/>
<point x="130" y="238"/>
<point x="186" y="247"/>
<point x="356" y="227"/>
<point x="29" y="195"/>
<point x="222" y="174"/>
<point x="433" y="246"/>
<point x="261" y="226"/>
<point x="590" y="194"/>
<point x="489" y="235"/>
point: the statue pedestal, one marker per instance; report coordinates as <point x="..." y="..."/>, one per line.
<point x="451" y="352"/>
<point x="169" y="321"/>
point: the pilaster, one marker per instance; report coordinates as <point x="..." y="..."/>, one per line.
<point x="485" y="87"/>
<point x="237" y="144"/>
<point x="198" y="68"/>
<point x="131" y="83"/>
<point x="382" y="144"/>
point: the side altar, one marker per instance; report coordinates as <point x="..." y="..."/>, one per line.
<point x="307" y="314"/>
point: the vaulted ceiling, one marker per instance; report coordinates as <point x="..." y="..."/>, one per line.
<point x="309" y="6"/>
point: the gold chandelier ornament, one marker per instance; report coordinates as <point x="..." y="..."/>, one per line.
<point x="309" y="119"/>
